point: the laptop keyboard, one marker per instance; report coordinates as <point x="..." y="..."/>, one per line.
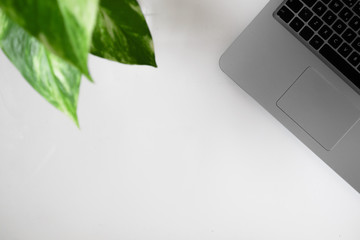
<point x="330" y="28"/>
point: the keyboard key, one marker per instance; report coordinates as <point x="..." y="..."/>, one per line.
<point x="356" y="8"/>
<point x="329" y="17"/>
<point x="315" y="23"/>
<point x="294" y="5"/>
<point x="316" y="42"/>
<point x="356" y="44"/>
<point x="355" y="23"/>
<point x="306" y="33"/>
<point x="345" y="50"/>
<point x="285" y="14"/>
<point x="336" y="5"/>
<point x="354" y="59"/>
<point x="325" y="32"/>
<point x="305" y="14"/>
<point x="319" y="8"/>
<point x="350" y="3"/>
<point x="349" y="35"/>
<point x="335" y="41"/>
<point x="309" y="3"/>
<point x="339" y="26"/>
<point x="346" y="14"/>
<point x="343" y="66"/>
<point x="296" y="24"/>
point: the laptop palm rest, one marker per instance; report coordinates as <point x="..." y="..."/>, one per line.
<point x="319" y="109"/>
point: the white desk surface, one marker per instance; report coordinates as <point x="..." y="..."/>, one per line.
<point x="174" y="153"/>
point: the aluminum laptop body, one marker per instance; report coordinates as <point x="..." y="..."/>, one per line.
<point x="287" y="65"/>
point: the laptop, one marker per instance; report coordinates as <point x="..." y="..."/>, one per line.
<point x="300" y="59"/>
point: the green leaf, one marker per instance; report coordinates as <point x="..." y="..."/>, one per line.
<point x="64" y="27"/>
<point x="121" y="33"/>
<point x="55" y="79"/>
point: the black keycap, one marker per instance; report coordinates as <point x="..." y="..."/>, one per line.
<point x="319" y="8"/>
<point x="355" y="23"/>
<point x="349" y="35"/>
<point x="306" y="33"/>
<point x="296" y="24"/>
<point x="356" y="8"/>
<point x="335" y="41"/>
<point x="329" y="17"/>
<point x="305" y="14"/>
<point x="315" y="23"/>
<point x="294" y="5"/>
<point x="336" y="5"/>
<point x="356" y="44"/>
<point x="345" y="50"/>
<point x="309" y="3"/>
<point x="350" y="3"/>
<point x="343" y="66"/>
<point x="346" y="14"/>
<point x="354" y="59"/>
<point x="325" y="32"/>
<point x="316" y="42"/>
<point x="339" y="26"/>
<point x="285" y="14"/>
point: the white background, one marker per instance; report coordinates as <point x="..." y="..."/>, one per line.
<point x="178" y="152"/>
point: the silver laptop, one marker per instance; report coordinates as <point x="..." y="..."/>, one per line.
<point x="300" y="59"/>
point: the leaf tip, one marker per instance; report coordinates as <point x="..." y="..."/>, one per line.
<point x="77" y="124"/>
<point x="153" y="63"/>
<point x="75" y="119"/>
<point x="89" y="77"/>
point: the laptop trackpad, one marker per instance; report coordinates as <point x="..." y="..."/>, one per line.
<point x="318" y="108"/>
